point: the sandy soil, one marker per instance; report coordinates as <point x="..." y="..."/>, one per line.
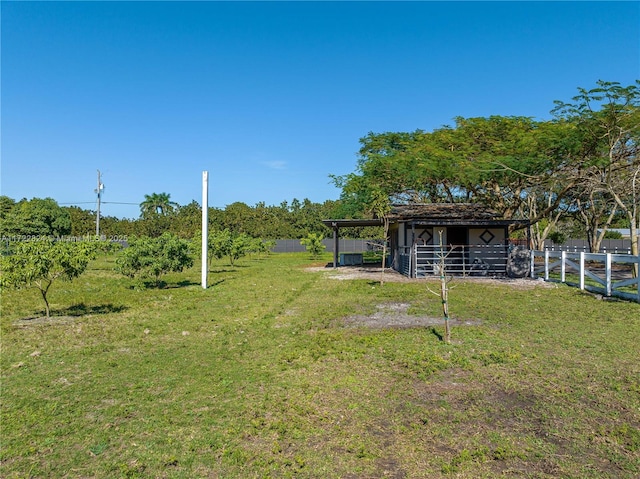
<point x="391" y="276"/>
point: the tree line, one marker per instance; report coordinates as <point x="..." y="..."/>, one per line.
<point x="44" y="217"/>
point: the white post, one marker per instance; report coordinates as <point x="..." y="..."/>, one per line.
<point x="581" y="269"/>
<point x="532" y="259"/>
<point x="563" y="266"/>
<point x="637" y="266"/>
<point x="205" y="227"/>
<point x="608" y="273"/>
<point x="546" y="265"/>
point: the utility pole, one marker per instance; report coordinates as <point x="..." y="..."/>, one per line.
<point x="98" y="191"/>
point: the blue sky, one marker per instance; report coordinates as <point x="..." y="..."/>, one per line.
<point x="272" y="97"/>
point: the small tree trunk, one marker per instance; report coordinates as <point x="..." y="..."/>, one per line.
<point x="43" y="291"/>
<point x="444" y="295"/>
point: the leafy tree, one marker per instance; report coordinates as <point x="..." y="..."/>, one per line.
<point x="219" y="243"/>
<point x="241" y="245"/>
<point x="35" y="217"/>
<point x="607" y="119"/>
<point x="153" y="257"/>
<point x="157" y="204"/>
<point x="381" y="208"/>
<point x="187" y="220"/>
<point x="313" y="243"/>
<point x="83" y="222"/>
<point x="227" y="244"/>
<point x="505" y="163"/>
<point x="39" y="263"/>
<point x="6" y="205"/>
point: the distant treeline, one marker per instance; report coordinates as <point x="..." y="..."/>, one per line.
<point x="44" y="217"/>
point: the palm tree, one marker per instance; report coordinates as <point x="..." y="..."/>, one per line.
<point x="157" y="204"/>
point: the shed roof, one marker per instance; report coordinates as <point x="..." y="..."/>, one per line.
<point x="434" y="213"/>
<point x="445" y="211"/>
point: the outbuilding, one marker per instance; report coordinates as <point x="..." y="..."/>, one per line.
<point x="470" y="238"/>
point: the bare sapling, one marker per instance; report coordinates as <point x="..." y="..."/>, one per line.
<point x="441" y="270"/>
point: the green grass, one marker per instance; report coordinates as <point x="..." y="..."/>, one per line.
<point x="258" y="376"/>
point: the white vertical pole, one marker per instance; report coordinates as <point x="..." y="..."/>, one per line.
<point x="205" y="227"/>
<point x="608" y="273"/>
<point x="563" y="266"/>
<point x="546" y="265"/>
<point x="581" y="269"/>
<point x="532" y="259"/>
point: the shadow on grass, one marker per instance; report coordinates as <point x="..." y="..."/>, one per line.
<point x="183" y="284"/>
<point x="435" y="332"/>
<point x="152" y="284"/>
<point x="83" y="309"/>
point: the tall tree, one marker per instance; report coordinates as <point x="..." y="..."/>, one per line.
<point x="607" y="118"/>
<point x="502" y="162"/>
<point x="157" y="204"/>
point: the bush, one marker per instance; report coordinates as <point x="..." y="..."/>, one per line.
<point x="313" y="243"/>
<point x="153" y="257"/>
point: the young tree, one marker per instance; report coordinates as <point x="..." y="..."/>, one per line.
<point x="241" y="245"/>
<point x="313" y="243"/>
<point x="380" y="206"/>
<point x="234" y="246"/>
<point x="443" y="293"/>
<point x="153" y="257"/>
<point x="39" y="263"/>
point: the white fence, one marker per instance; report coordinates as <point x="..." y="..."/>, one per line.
<point x="598" y="267"/>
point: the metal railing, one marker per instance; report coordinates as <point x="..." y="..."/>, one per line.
<point x="468" y="260"/>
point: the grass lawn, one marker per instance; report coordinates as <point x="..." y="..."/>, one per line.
<point x="260" y="376"/>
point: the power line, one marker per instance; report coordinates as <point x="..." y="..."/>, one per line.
<point x="93" y="202"/>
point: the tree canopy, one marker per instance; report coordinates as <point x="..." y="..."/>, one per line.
<point x="33" y="218"/>
<point x="40" y="262"/>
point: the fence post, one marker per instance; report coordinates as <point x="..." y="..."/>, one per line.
<point x="533" y="263"/>
<point x="608" y="273"/>
<point x="637" y="266"/>
<point x="563" y="267"/>
<point x="582" y="270"/>
<point x="413" y="261"/>
<point x="546" y="265"/>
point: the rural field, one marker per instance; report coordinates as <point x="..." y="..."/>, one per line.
<point x="284" y="369"/>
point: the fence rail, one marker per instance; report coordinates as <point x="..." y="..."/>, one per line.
<point x="604" y="271"/>
<point x="575" y="246"/>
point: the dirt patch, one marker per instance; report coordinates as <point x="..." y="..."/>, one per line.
<point x="395" y="315"/>
<point x="392" y="276"/>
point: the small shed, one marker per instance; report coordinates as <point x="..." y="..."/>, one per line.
<point x="470" y="238"/>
